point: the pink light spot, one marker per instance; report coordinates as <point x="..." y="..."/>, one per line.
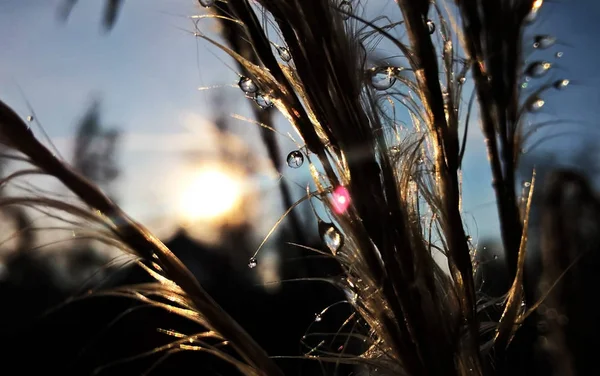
<point x="341" y="199"/>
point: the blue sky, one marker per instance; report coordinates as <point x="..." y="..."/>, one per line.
<point x="149" y="68"/>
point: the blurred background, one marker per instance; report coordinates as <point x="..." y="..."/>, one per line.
<point x="154" y="115"/>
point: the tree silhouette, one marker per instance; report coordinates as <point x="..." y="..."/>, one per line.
<point x="94" y="153"/>
<point x="109" y="16"/>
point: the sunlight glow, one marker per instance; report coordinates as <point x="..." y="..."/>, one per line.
<point x="212" y="194"/>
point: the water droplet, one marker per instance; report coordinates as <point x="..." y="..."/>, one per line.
<point x="469" y="238"/>
<point x="543" y="41"/>
<point x="295" y="159"/>
<point x="430" y="26"/>
<point x="445" y="95"/>
<point x="345" y="9"/>
<point x="495" y="257"/>
<point x="207" y="3"/>
<point x="559" y="54"/>
<point x="526" y="184"/>
<point x="247" y="85"/>
<point x="561" y="84"/>
<point x="354" y="298"/>
<point x="263" y="101"/>
<point x="284" y="53"/>
<point x="318" y="317"/>
<point x="331" y="237"/>
<point x="383" y="78"/>
<point x="524" y="85"/>
<point x="157" y="267"/>
<point x="252" y="262"/>
<point x="535" y="104"/>
<point x="462" y="80"/>
<point x="538" y="69"/>
<point x="30" y="118"/>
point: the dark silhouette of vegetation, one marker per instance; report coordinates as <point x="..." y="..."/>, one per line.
<point x="95" y="150"/>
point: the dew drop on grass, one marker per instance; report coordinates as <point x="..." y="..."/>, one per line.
<point x="263" y="101"/>
<point x="430" y="26"/>
<point x="331" y="237"/>
<point x="543" y="41"/>
<point x="469" y="238"/>
<point x="561" y="84"/>
<point x="382" y="78"/>
<point x="538" y="69"/>
<point x="462" y="80"/>
<point x="157" y="267"/>
<point x="247" y="85"/>
<point x="354" y="298"/>
<point x="559" y="54"/>
<point x="535" y="104"/>
<point x="318" y="317"/>
<point x="252" y="262"/>
<point x="345" y="9"/>
<point x="295" y="159"/>
<point x="495" y="257"/>
<point x="30" y="118"/>
<point x="207" y="3"/>
<point x="284" y="54"/>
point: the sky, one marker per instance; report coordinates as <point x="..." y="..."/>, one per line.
<point x="149" y="68"/>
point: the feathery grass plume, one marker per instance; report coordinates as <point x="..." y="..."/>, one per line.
<point x="233" y="34"/>
<point x="492" y="34"/>
<point x="402" y="182"/>
<point x="414" y="310"/>
<point x="176" y="289"/>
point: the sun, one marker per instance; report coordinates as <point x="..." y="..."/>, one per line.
<point x="211" y="193"/>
